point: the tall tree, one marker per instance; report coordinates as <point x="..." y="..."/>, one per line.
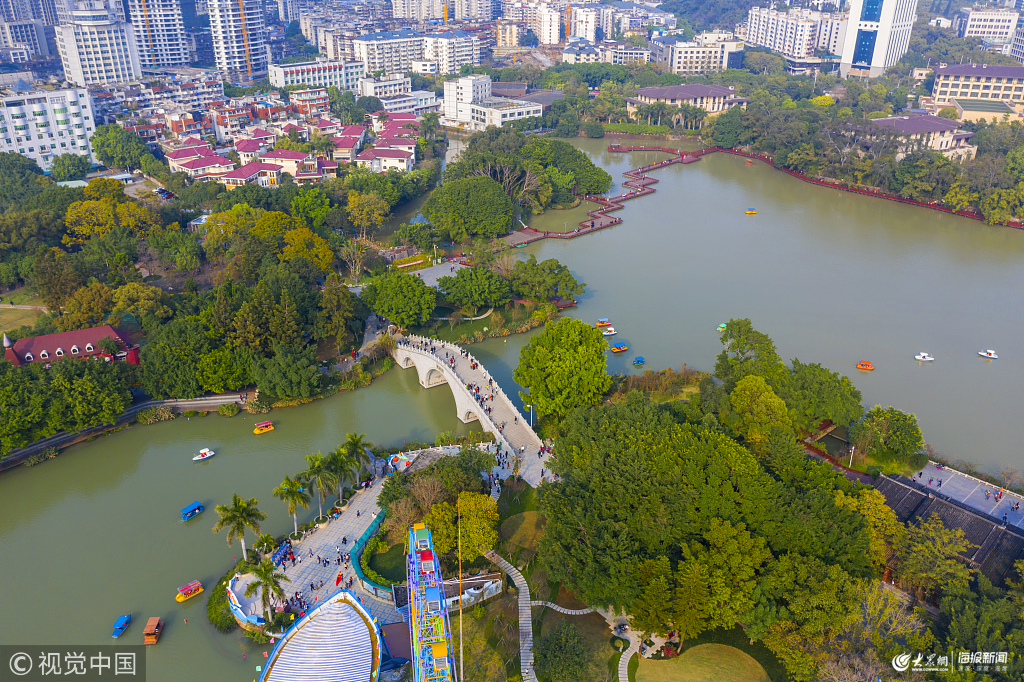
<point x="930" y="556"/>
<point x="563" y="367"/>
<point x="402" y="298"/>
<point x="58" y="277"/>
<point x="137" y="301"/>
<point x="293" y="494"/>
<point x="319" y="476"/>
<point x="237" y="517"/>
<point x="561" y="655"/>
<point x="69" y="167"/>
<point x="336" y="307"/>
<point x="285" y="324"/>
<point x="267" y="581"/>
<point x="367" y="211"/>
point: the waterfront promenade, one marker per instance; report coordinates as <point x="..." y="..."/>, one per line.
<point x="970" y="491"/>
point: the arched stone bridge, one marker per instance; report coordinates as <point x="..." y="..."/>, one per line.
<point x="434" y="369"/>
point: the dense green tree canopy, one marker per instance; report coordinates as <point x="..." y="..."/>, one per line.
<point x="402" y="298"/>
<point x="69" y="167"/>
<point x="468" y="207"/>
<point x="563" y="367"/>
<point x="115" y="146"/>
<point x="545" y="280"/>
<point x="476" y="287"/>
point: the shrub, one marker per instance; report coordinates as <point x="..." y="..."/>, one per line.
<point x="190" y="413"/>
<point x="42" y="456"/>
<point x="635" y="129"/>
<point x="229" y="410"/>
<point x="217" y="610"/>
<point x="201" y="413"/>
<point x="593" y="129"/>
<point x="155" y="414"/>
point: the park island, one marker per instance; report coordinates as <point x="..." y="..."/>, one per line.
<point x="590" y="409"/>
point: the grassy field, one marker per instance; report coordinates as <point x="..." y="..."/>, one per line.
<point x="704" y="663"/>
<point x="23" y="296"/>
<point x="523" y="530"/>
<point x="736" y="638"/>
<point x="514" y="501"/>
<point x="12" y="318"/>
<point x="390" y="564"/>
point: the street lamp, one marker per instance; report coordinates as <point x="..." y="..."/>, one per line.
<point x="530" y="407"/>
<point x="435" y="254"/>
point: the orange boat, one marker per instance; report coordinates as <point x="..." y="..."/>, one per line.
<point x="152" y="632"/>
<point x="866" y="366"/>
<point x="750" y="163"/>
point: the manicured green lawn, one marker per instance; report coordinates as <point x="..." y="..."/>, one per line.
<point x="523" y="530"/>
<point x="23" y="296"/>
<point x="737" y="639"/>
<point x="514" y="502"/>
<point x="390" y="564"/>
<point x="704" y="663"/>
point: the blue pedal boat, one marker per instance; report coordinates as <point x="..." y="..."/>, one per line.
<point x="191" y="510"/>
<point x="638" y="360"/>
<point x="121" y="624"/>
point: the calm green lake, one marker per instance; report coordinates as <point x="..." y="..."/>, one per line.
<point x="832" y="277"/>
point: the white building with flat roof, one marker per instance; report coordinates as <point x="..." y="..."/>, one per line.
<point x="45" y="124"/>
<point x="584" y="22"/>
<point x="389" y="51"/>
<point x="468" y="103"/>
<point x="318" y="74"/>
<point x="160" y="32"/>
<point x="239" y="39"/>
<point x="96" y="48"/>
<point x="452" y="50"/>
<point x="996" y="23"/>
<point x="797" y="33"/>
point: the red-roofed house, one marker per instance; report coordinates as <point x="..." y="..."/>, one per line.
<point x="150" y="132"/>
<point x="176" y="157"/>
<point x="399" y="129"/>
<point x="262" y="135"/>
<point x="257" y="173"/>
<point x="403" y="143"/>
<point x="207" y="167"/>
<point x="182" y="123"/>
<point x="194" y="142"/>
<point x="302" y="166"/>
<point x="249" y="150"/>
<point x="352" y="131"/>
<point x="345" y="149"/>
<point x="311" y="101"/>
<point x="83" y="343"/>
<point x="392" y="117"/>
<point x="381" y="160"/>
<point x="287" y="128"/>
<point x="324" y="127"/>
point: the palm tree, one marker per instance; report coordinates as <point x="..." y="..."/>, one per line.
<point x="240" y="515"/>
<point x="267" y="580"/>
<point x="382" y="117"/>
<point x="322" y="145"/>
<point x="430" y="125"/>
<point x="318" y="476"/>
<point x="356" y="447"/>
<point x="344" y="466"/>
<point x="265" y="544"/>
<point x="294" y="495"/>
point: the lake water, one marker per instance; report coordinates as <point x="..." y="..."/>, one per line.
<point x="832" y="277"/>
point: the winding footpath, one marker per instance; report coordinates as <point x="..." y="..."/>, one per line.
<point x="632" y="650"/>
<point x="562" y="609"/>
<point x="525" y="620"/>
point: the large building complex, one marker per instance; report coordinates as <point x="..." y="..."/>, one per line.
<point x="44" y="124"/>
<point x="877" y="36"/>
<point x="713" y="99"/>
<point x="389" y="51"/>
<point x="239" y="39"/>
<point x="706" y="53"/>
<point x="606" y="51"/>
<point x="997" y="24"/>
<point x="419" y="10"/>
<point x="160" y="32"/>
<point x="451" y="50"/>
<point x="321" y="73"/>
<point x="966" y="82"/>
<point x="468" y="103"/>
<point x="29" y="34"/>
<point x="584" y="22"/>
<point x="797" y="33"/>
<point x="97" y="48"/>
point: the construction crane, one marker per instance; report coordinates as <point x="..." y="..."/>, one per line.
<point x="568" y="19"/>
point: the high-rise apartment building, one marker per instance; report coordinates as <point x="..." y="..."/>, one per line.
<point x="160" y="32"/>
<point x="28" y="33"/>
<point x="471" y="10"/>
<point x="239" y="39"/>
<point x="288" y="10"/>
<point x="389" y="51"/>
<point x="877" y="36"/>
<point x="451" y="50"/>
<point x="96" y="48"/>
<point x="995" y="23"/>
<point x="548" y="26"/>
<point x="584" y="22"/>
<point x="797" y="33"/>
<point x="706" y="53"/>
<point x="44" y="124"/>
<point x="420" y="10"/>
<point x="318" y="74"/>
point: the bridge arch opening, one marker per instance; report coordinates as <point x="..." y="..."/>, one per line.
<point x="408" y="362"/>
<point x="434" y="377"/>
<point x="470" y="416"/>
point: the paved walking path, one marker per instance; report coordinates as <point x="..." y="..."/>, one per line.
<point x="971" y="491"/>
<point x="504" y="421"/>
<point x="633" y="648"/>
<point x="525" y="620"/>
<point x="562" y="609"/>
<point x="326" y="541"/>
